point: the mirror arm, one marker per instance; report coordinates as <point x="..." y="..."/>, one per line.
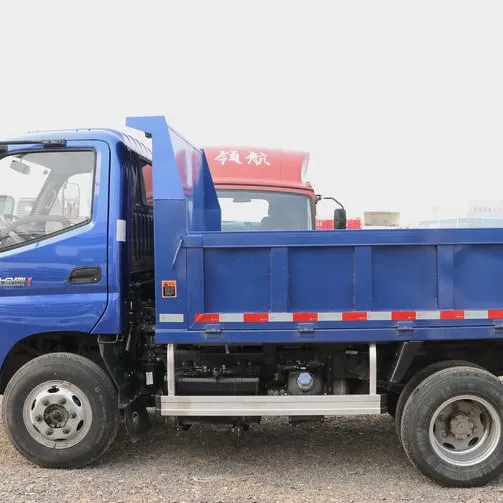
<point x="333" y="199"/>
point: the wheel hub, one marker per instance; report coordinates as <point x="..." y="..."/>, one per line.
<point x="57" y="414"/>
<point x="461" y="426"/>
<point x="465" y="430"/>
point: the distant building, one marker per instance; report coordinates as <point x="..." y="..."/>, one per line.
<point x="474" y="214"/>
<point x="381" y="219"/>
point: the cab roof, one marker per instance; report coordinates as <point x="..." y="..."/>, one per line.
<point x="233" y="165"/>
<point x="110" y="136"/>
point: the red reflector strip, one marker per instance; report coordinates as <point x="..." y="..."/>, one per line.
<point x="354" y="316"/>
<point x="403" y="315"/>
<point x="305" y="316"/>
<point x="207" y="318"/>
<point x="452" y="315"/>
<point x="255" y="317"/>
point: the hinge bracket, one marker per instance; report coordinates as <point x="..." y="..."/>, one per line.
<point x="498" y="325"/>
<point x="213" y="330"/>
<point x="305" y="330"/>
<point x="405" y="328"/>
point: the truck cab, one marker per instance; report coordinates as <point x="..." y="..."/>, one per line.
<point x="262" y="189"/>
<point x="69" y="200"/>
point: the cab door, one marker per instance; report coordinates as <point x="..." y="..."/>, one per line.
<point x="53" y="240"/>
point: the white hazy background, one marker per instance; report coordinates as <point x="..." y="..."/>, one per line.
<point x="399" y="102"/>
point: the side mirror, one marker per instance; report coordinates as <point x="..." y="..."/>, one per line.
<point x="71" y="200"/>
<point x="340" y="218"/>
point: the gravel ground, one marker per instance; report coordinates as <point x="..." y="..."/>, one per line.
<point x="345" y="459"/>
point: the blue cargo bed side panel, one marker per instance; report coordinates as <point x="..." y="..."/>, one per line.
<point x="404" y="278"/>
<point x="330" y="278"/>
<point x="237" y="280"/>
<point x="478" y="277"/>
<point x="320" y="279"/>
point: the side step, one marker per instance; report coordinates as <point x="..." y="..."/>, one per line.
<point x="291" y="405"/>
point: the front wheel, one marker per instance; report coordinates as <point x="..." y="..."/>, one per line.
<point x="452" y="424"/>
<point x="60" y="411"/>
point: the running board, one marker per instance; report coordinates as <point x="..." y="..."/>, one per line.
<point x="265" y="405"/>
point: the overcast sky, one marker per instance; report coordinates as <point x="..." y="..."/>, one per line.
<point x="399" y="102"/>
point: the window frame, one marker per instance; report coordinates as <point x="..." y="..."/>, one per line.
<point x="10" y="153"/>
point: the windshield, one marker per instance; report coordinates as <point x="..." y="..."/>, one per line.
<point x="264" y="210"/>
<point x="42" y="193"/>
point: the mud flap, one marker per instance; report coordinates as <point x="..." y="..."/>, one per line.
<point x="137" y="420"/>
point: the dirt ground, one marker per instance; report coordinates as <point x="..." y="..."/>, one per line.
<point x="346" y="460"/>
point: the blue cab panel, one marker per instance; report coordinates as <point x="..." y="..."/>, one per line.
<point x="71" y="279"/>
<point x="308" y="286"/>
<point x="47" y="301"/>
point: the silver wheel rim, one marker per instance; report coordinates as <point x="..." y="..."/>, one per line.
<point x="465" y="430"/>
<point x="57" y="414"/>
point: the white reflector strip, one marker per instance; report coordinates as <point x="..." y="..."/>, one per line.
<point x="236" y="317"/>
<point x="329" y="316"/>
<point x="170" y="318"/>
<point x="427" y="315"/>
<point x="379" y="315"/>
<point x="280" y="316"/>
<point x="476" y="315"/>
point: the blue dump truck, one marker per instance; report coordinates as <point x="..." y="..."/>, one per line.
<point x="114" y="300"/>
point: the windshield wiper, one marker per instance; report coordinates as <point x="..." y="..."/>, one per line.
<point x="46" y="143"/>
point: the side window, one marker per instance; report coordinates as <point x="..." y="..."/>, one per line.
<point x="42" y="193"/>
<point x="140" y="180"/>
<point x="146" y="176"/>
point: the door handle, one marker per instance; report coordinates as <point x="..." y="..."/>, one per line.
<point x="85" y="275"/>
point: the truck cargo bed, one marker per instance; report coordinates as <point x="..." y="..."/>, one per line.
<point x="308" y="286"/>
<point x="340" y="286"/>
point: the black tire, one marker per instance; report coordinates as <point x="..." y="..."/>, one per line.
<point x="417" y="378"/>
<point x="438" y="459"/>
<point x="97" y="428"/>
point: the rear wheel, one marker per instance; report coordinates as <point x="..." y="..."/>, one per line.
<point x="418" y="378"/>
<point x="452" y="427"/>
<point x="60" y="411"/>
